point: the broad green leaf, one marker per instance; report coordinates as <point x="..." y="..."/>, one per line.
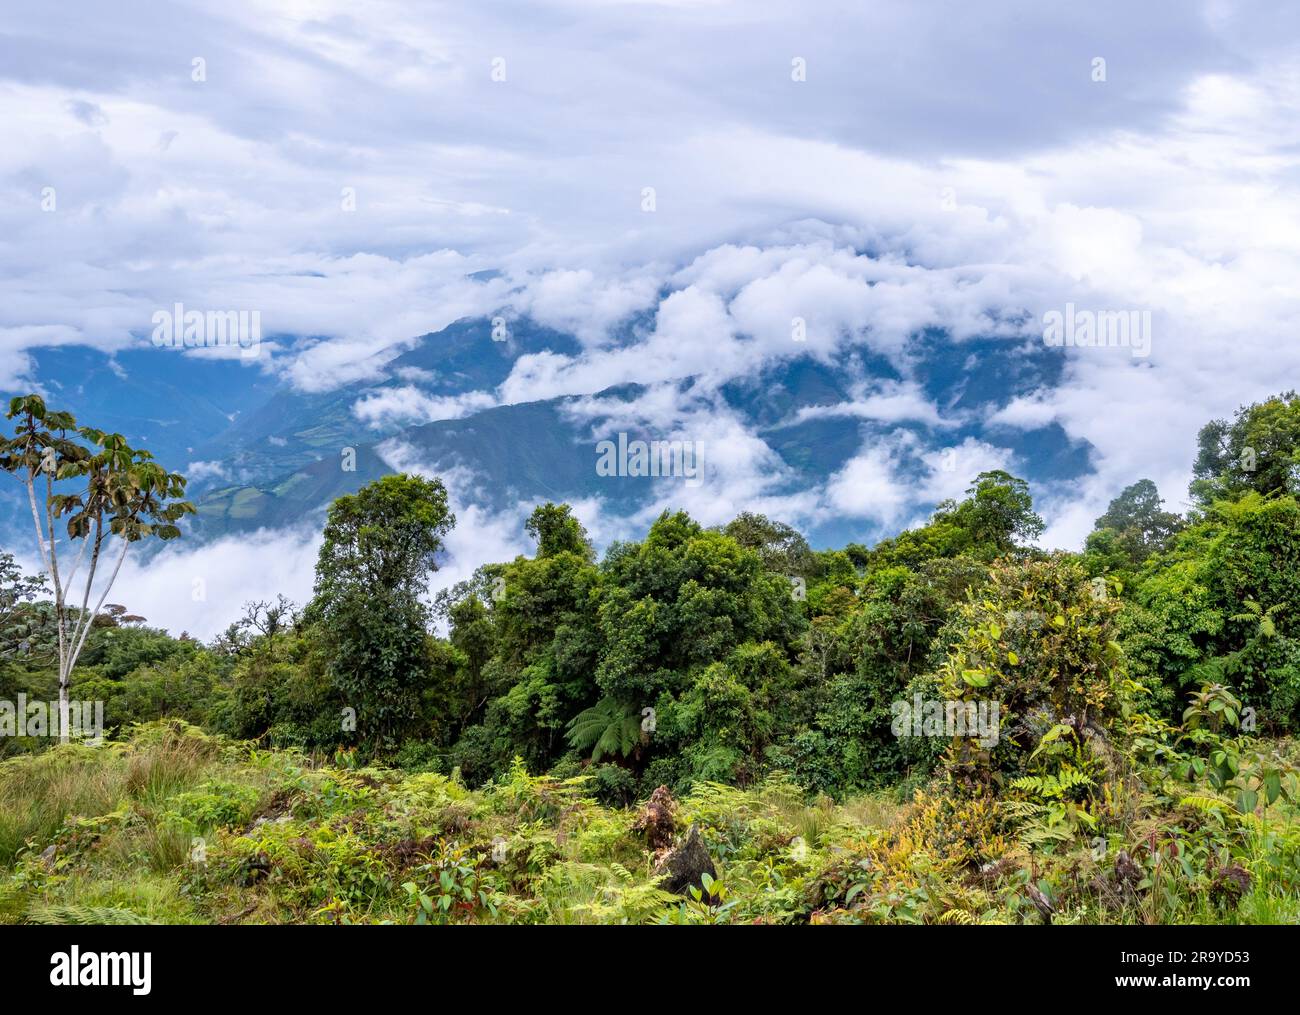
<point x="975" y="678"/>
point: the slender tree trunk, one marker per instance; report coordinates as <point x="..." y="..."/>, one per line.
<point x="60" y="599"/>
<point x="90" y="617"/>
<point x="50" y="559"/>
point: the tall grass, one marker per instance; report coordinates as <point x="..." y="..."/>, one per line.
<point x="39" y="793"/>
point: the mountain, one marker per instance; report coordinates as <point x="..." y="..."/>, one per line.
<point x="263" y="454"/>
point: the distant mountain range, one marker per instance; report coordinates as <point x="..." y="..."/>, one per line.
<point x="262" y="454"/>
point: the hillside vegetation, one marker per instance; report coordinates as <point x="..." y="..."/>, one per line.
<point x="708" y="725"/>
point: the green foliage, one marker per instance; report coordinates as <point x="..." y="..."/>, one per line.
<point x="86" y="916"/>
<point x="94" y="491"/>
<point x="453" y="887"/>
<point x="286" y="840"/>
<point x="995" y="518"/>
<point x="1258" y="451"/>
<point x="780" y="547"/>
<point x="607" y="728"/>
<point x="16" y="617"/>
<point x="1201" y="592"/>
<point x="1133" y="527"/>
<point x="379" y="548"/>
<point x="557" y="531"/>
<point x="1038" y="642"/>
<point x="1139" y="768"/>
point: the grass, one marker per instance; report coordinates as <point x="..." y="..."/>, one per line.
<point x="173" y="826"/>
<point x="39" y="792"/>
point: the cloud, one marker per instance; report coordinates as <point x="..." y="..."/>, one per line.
<point x="363" y="181"/>
<point x="405" y="405"/>
<point x="886" y="401"/>
<point x="197" y="472"/>
<point x="580" y="303"/>
<point x="952" y="470"/>
<point x="87" y="113"/>
<point x="869" y="486"/>
<point x="202" y="588"/>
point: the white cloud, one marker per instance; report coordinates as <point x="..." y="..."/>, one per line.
<point x="363" y="206"/>
<point x="201" y="588"/>
<point x="886" y="401"/>
<point x="405" y="405"/>
<point x="868" y="486"/>
<point x="197" y="472"/>
<point x="951" y="470"/>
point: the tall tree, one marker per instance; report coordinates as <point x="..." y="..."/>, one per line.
<point x="1134" y="526"/>
<point x="372" y="574"/>
<point x="557" y="531"/>
<point x="782" y="548"/>
<point x="115" y="491"/>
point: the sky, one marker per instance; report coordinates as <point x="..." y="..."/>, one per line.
<point x="715" y="169"/>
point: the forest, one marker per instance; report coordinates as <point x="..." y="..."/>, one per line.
<point x="708" y="725"/>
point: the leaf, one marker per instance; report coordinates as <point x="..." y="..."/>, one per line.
<point x="1013" y="659"/>
<point x="1051" y="736"/>
<point x="975" y="678"/>
<point x="995" y="631"/>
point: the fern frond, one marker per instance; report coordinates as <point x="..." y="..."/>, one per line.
<point x="85" y="916"/>
<point x="608" y="727"/>
<point x="1204" y="803"/>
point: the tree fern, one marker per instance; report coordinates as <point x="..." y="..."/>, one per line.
<point x="608" y="727"/>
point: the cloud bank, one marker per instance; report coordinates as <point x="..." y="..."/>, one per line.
<point x="696" y="191"/>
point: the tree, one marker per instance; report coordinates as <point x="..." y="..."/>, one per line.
<point x="372" y="573"/>
<point x="1038" y="644"/>
<point x="999" y="512"/>
<point x="16" y="589"/>
<point x="557" y="531"/>
<point x="1259" y="450"/>
<point x="1238" y="552"/>
<point x="266" y="618"/>
<point x="996" y="518"/>
<point x="608" y="727"/>
<point x="684" y="598"/>
<point x="1134" y="526"/>
<point x="117" y="492"/>
<point x="781" y="547"/>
